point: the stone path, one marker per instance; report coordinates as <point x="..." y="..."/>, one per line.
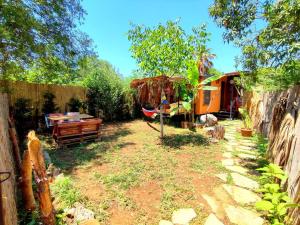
<point x="233" y="201"/>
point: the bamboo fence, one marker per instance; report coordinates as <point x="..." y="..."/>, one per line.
<point x="35" y="92"/>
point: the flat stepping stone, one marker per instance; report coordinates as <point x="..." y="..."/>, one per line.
<point x="229" y="148"/>
<point x="246" y="156"/>
<point x="252" y="145"/>
<point x="243" y="181"/>
<point x="237" y="169"/>
<point x="165" y="222"/>
<point x="241" y="195"/>
<point x="245" y="147"/>
<point x="183" y="216"/>
<point x="214" y="205"/>
<point x="227" y="162"/>
<point x="233" y="143"/>
<point x="222" y="196"/>
<point x="248" y="152"/>
<point x="213" y="220"/>
<point x="227" y="155"/>
<point x="241" y="216"/>
<point x="222" y="176"/>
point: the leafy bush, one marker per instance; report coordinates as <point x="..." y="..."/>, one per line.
<point x="246" y="118"/>
<point x="49" y="105"/>
<point x="74" y="104"/>
<point x="22" y="113"/>
<point x="275" y="201"/>
<point x="106" y="90"/>
<point x="65" y="192"/>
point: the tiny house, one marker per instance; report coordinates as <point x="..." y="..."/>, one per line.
<point x="221" y="99"/>
<point x="216" y="101"/>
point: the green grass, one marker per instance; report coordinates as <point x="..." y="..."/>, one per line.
<point x="132" y="156"/>
<point x="64" y="192"/>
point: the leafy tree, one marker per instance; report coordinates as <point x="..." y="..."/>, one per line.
<point x="105" y="89"/>
<point x="268" y="32"/>
<point x="169" y="50"/>
<point x="40" y="33"/>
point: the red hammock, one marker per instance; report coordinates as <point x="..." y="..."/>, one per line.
<point x="150" y="113"/>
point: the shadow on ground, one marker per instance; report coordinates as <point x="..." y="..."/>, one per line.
<point x="176" y="141"/>
<point x="79" y="154"/>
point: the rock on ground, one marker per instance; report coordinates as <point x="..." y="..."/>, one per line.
<point x="241" y="195"/>
<point x="213" y="220"/>
<point x="241" y="216"/>
<point x="183" y="216"/>
<point x="243" y="181"/>
<point x="90" y="222"/>
<point x="165" y="222"/>
<point x="209" y="119"/>
<point x="78" y="214"/>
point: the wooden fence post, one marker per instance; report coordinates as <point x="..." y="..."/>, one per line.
<point x="39" y="169"/>
<point x="26" y="173"/>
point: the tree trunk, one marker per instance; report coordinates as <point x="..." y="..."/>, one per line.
<point x="38" y="163"/>
<point x="26" y="173"/>
<point x="161" y="115"/>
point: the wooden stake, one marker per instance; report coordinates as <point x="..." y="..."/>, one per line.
<point x="38" y="163"/>
<point x="26" y="173"/>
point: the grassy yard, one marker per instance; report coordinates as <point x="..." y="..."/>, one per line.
<point x="130" y="177"/>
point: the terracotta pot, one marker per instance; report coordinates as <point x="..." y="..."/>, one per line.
<point x="184" y="124"/>
<point x="246" y="132"/>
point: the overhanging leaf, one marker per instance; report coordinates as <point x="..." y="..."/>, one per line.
<point x="209" y="88"/>
<point x="264" y="205"/>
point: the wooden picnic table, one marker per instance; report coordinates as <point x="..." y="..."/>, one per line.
<point x="68" y="117"/>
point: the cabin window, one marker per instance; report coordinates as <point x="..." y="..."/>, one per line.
<point x="206" y="95"/>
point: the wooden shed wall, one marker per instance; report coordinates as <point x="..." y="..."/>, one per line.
<point x="215" y="100"/>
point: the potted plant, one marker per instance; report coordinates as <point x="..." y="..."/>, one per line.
<point x="246" y="131"/>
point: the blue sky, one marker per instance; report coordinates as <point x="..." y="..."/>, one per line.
<point x="107" y="22"/>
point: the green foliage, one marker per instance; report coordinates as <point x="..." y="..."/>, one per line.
<point x="106" y="90"/>
<point x="49" y="105"/>
<point x="275" y="202"/>
<point x="74" y="104"/>
<point x="64" y="191"/>
<point x="246" y="118"/>
<point x="260" y="28"/>
<point x="272" y="172"/>
<point x="22" y="112"/>
<point x="166" y="49"/>
<point x="40" y="33"/>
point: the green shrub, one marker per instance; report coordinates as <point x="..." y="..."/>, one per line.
<point x="65" y="192"/>
<point x="246" y="118"/>
<point x="75" y="104"/>
<point x="49" y="105"/>
<point x="275" y="201"/>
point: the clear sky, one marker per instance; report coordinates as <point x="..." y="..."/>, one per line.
<point x="107" y="22"/>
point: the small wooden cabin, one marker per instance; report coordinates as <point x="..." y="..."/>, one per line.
<point x="220" y="99"/>
<point x="149" y="90"/>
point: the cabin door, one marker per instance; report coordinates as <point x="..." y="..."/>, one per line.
<point x="222" y="103"/>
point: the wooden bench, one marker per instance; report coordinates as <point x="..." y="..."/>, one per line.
<point x="76" y="132"/>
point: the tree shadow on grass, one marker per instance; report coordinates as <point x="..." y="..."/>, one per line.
<point x="177" y="141"/>
<point x="79" y="154"/>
